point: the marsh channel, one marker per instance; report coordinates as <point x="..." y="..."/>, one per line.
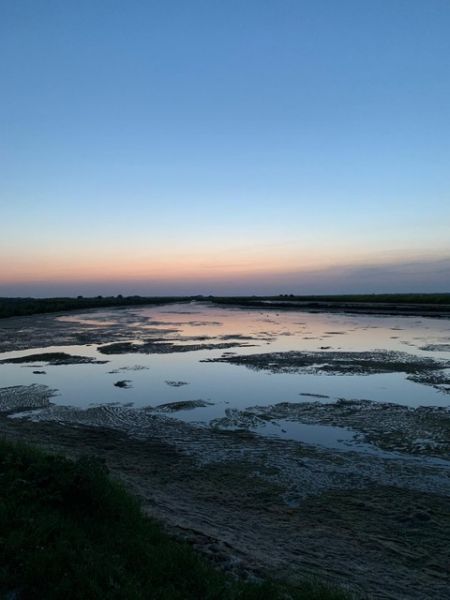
<point x="285" y="443"/>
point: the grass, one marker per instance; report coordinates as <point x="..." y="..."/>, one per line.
<point x="67" y="531"/>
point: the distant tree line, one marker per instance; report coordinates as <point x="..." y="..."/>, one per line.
<point x="440" y="299"/>
<point x="13" y="307"/>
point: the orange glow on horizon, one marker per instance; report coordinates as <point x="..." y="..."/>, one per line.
<point x="198" y="266"/>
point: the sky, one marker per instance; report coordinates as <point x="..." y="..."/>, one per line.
<point x="223" y="147"/>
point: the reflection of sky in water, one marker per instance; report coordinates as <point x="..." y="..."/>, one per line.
<point x="231" y="386"/>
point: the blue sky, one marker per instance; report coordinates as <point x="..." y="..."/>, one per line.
<point x="216" y="146"/>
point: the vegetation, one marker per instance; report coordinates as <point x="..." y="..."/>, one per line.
<point x="69" y="532"/>
<point x="14" y="307"/>
<point x="11" y="307"/>
<point x="440" y="299"/>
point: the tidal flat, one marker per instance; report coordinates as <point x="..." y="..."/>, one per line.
<point x="283" y="443"/>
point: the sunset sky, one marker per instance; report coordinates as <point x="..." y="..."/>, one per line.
<point x="224" y="146"/>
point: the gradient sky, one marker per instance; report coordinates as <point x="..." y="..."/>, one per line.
<point x="224" y="146"/>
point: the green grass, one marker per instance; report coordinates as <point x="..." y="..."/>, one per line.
<point x="67" y="531"/>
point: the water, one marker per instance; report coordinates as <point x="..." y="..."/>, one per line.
<point x="232" y="386"/>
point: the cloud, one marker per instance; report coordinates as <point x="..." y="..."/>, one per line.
<point x="431" y="275"/>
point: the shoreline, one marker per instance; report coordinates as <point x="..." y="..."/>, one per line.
<point x="261" y="507"/>
<point x="361" y="308"/>
<point x="420" y="305"/>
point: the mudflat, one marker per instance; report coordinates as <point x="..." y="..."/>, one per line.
<point x="371" y="516"/>
<point x="263" y="506"/>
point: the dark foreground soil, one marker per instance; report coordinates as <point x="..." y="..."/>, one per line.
<point x="381" y="540"/>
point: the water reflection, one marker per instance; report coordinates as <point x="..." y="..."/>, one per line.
<point x="229" y="386"/>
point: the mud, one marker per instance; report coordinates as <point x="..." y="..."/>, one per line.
<point x="392" y="427"/>
<point x="424" y="370"/>
<point x="38" y="331"/>
<point x="25" y="397"/>
<point x="123" y="383"/>
<point x="436" y="348"/>
<point x="337" y="363"/>
<point x="440" y="311"/>
<point x="128" y="368"/>
<point x="439" y="380"/>
<point x="86" y="327"/>
<point x="182" y="405"/>
<point x="376" y="522"/>
<point x="53" y="358"/>
<point x="157" y="347"/>
<point x="261" y="506"/>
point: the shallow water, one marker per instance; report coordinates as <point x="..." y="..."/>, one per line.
<point x="233" y="386"/>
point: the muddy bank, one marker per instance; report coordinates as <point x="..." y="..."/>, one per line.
<point x="337" y="363"/>
<point x="208" y="445"/>
<point x="161" y="347"/>
<point x="418" y="431"/>
<point x="182" y="405"/>
<point x="90" y="327"/>
<point x="39" y="331"/>
<point x="427" y="371"/>
<point x="257" y="506"/>
<point x="439" y="309"/>
<point x="436" y="348"/>
<point x="53" y="358"/>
